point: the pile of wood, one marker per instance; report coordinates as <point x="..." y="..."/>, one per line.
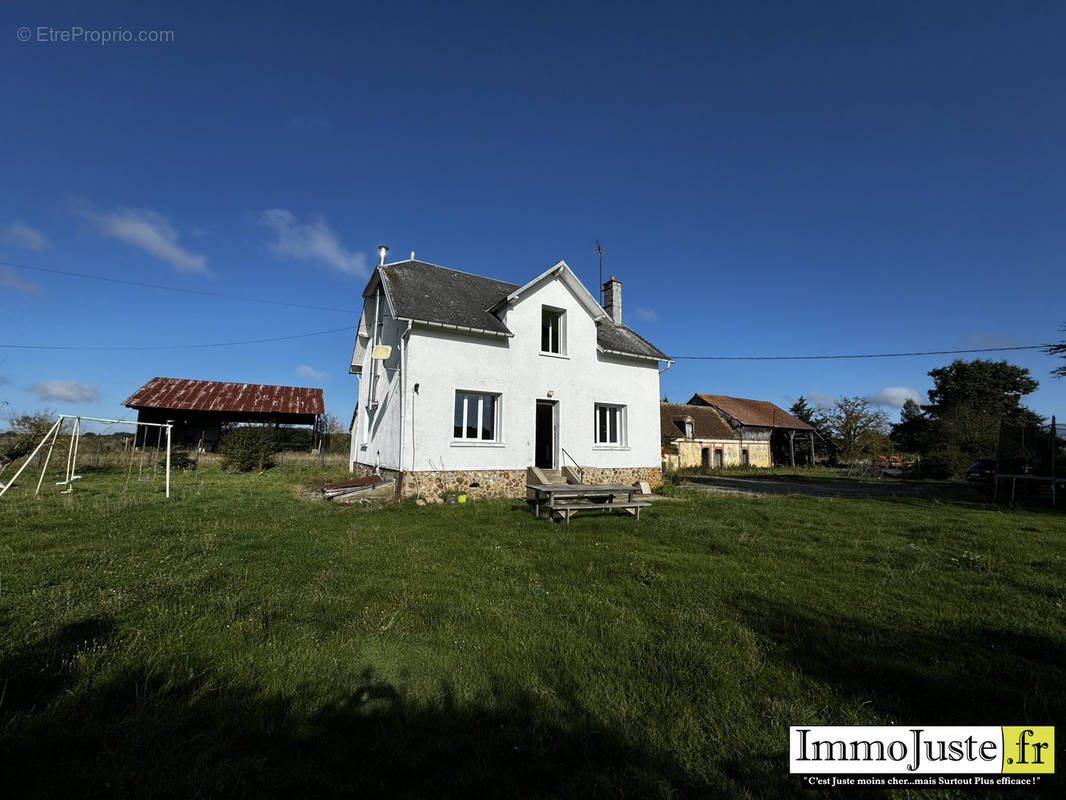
<point x="372" y="486"/>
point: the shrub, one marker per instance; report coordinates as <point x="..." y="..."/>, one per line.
<point x="945" y="462"/>
<point x="25" y="434"/>
<point x="179" y="459"/>
<point x="247" y="448"/>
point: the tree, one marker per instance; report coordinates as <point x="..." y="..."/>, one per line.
<point x="857" y="428"/>
<point x="1058" y="350"/>
<point x="971" y="400"/>
<point x="329" y="424"/>
<point x="25" y="431"/>
<point x="823" y="442"/>
<point x="801" y="409"/>
<point x="913" y="432"/>
<point x="994" y="388"/>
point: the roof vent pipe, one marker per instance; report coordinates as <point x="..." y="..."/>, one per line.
<point x="382" y="250"/>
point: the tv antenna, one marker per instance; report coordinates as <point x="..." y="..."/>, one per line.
<point x="599" y="252"/>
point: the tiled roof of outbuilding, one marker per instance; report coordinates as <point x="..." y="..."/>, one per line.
<point x="706" y="424"/>
<point x="757" y="413"/>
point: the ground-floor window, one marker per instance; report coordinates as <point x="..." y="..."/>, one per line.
<point x="744" y="457"/>
<point x="476" y="416"/>
<point x="610" y="424"/>
<point x="718" y="458"/>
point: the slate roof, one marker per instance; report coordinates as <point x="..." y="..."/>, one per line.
<point x="757" y="413"/>
<point x="706" y="424"/>
<point x="624" y="339"/>
<point x="194" y="395"/>
<point x="430" y="293"/>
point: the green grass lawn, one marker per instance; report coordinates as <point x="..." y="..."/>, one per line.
<point x="243" y="639"/>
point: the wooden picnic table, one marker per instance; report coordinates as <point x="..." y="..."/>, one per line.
<point x="566" y="499"/>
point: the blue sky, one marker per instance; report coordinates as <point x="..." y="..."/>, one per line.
<point x="765" y="178"/>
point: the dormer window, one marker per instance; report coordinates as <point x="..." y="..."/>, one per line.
<point x="552" y="330"/>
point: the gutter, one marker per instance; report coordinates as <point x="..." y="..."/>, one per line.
<point x="656" y="359"/>
<point x="449" y="327"/>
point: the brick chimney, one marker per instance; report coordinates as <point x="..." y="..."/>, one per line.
<point x="612" y="299"/>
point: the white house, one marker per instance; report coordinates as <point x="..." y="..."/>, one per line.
<point x="465" y="382"/>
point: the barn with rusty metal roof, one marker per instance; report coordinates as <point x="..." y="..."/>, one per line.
<point x="199" y="409"/>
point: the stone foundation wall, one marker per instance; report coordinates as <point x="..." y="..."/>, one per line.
<point x="476" y="483"/>
<point x="626" y="475"/>
<point x="495" y="482"/>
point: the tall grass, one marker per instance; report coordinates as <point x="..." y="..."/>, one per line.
<point x="243" y="638"/>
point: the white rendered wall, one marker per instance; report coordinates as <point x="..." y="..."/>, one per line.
<point x="442" y="362"/>
<point x="376" y="436"/>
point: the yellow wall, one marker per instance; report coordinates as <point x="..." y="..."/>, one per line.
<point x="690" y="452"/>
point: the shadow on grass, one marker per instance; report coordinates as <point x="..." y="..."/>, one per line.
<point x="186" y="730"/>
<point x="977" y="675"/>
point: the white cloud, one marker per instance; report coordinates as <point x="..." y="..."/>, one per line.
<point x="10" y="279"/>
<point x="66" y="391"/>
<point x="311" y="372"/>
<point x="821" y="399"/>
<point x="646" y="314"/>
<point x="149" y="231"/>
<point x="22" y="235"/>
<point x="895" y="396"/>
<point x="311" y="241"/>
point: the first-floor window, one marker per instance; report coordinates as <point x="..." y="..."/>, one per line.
<point x="610" y="424"/>
<point x="476" y="416"/>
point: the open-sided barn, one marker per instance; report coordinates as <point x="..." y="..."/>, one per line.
<point x="199" y="408"/>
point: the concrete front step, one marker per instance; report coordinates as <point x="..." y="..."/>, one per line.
<point x="542" y="476"/>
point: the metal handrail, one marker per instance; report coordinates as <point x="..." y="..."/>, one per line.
<point x="580" y="469"/>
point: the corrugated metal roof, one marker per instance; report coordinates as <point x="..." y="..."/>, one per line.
<point x="194" y="395"/>
<point x="757" y="413"/>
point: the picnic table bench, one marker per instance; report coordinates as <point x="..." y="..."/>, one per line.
<point x="566" y="499"/>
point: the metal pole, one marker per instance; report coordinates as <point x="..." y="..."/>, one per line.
<point x="31" y="456"/>
<point x="168" y="460"/>
<point x="74" y="461"/>
<point x="1054" y="446"/>
<point x="47" y="458"/>
<point x="70" y="450"/>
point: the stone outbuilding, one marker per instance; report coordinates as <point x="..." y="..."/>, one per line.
<point x="764" y="428"/>
<point x="697" y="436"/>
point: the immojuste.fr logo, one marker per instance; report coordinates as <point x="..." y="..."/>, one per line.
<point x="934" y="750"/>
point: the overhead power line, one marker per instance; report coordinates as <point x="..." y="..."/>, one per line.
<point x="861" y="355"/>
<point x="176" y="346"/>
<point x="164" y="287"/>
<point x="350" y="328"/>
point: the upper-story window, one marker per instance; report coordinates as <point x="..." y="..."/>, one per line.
<point x="552" y="330"/>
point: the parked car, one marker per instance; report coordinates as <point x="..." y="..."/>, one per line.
<point x="981" y="474"/>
